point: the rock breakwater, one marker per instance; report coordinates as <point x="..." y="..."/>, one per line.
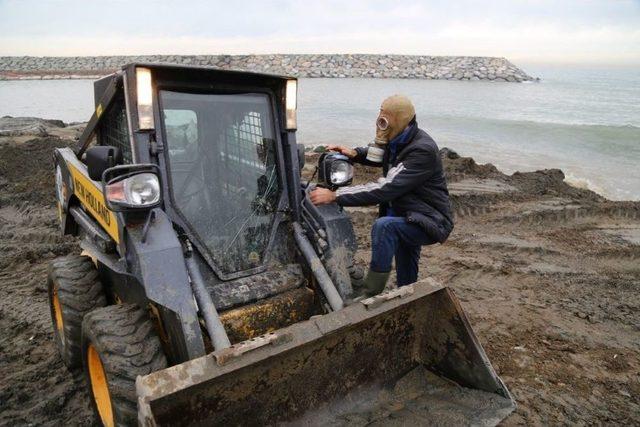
<point x="337" y="66"/>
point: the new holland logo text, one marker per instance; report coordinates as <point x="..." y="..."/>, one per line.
<point x="96" y="205"/>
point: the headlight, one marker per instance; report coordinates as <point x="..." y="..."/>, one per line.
<point x="341" y="172"/>
<point x="334" y="170"/>
<point x="137" y="191"/>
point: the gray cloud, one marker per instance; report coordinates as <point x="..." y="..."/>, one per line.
<point x="573" y="30"/>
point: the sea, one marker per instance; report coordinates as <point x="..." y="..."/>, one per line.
<point x="584" y="121"/>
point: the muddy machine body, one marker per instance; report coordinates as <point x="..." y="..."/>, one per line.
<point x="210" y="290"/>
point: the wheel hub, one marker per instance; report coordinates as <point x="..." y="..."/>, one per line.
<point x="99" y="387"/>
<point x="57" y="309"/>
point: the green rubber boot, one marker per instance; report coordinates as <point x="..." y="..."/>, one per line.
<point x="375" y="282"/>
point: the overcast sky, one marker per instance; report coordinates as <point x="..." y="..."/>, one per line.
<point x="574" y="31"/>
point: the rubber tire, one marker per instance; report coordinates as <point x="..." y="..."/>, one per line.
<point x="79" y="291"/>
<point x="128" y="345"/>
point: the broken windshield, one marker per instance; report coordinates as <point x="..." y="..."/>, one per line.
<point x="222" y="167"/>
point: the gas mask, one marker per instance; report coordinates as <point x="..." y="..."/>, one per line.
<point x="396" y="112"/>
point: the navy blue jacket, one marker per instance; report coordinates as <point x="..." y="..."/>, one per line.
<point x="413" y="185"/>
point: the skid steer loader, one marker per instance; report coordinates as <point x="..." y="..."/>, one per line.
<point x="211" y="291"/>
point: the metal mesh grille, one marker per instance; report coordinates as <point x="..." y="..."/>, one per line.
<point x="114" y="130"/>
<point x="244" y="152"/>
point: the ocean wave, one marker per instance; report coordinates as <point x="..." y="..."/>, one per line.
<point x="585" y="183"/>
<point x="627" y="126"/>
<point x="609" y="143"/>
<point x="534" y="123"/>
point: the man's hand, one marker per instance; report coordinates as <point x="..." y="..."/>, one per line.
<point x="322" y="196"/>
<point x="349" y="152"/>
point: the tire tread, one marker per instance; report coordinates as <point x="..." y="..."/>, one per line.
<point x="128" y="345"/>
<point x="79" y="292"/>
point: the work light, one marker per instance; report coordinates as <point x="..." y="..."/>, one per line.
<point x="291" y="104"/>
<point x="334" y="170"/>
<point x="145" y="98"/>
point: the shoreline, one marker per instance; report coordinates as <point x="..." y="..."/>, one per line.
<point x="469" y="68"/>
<point x="22" y="128"/>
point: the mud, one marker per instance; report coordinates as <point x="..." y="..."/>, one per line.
<point x="36" y="388"/>
<point x="548" y="274"/>
<point x="418" y="398"/>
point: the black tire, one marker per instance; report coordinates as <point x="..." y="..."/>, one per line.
<point x="74" y="290"/>
<point x="125" y="340"/>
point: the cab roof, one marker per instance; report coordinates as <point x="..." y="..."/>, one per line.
<point x="195" y="76"/>
<point x="204" y="69"/>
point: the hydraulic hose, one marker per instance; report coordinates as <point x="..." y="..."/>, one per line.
<point x="212" y="322"/>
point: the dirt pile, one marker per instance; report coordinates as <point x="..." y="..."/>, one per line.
<point x="549" y="275"/>
<point x="36" y="387"/>
<point x="26" y="171"/>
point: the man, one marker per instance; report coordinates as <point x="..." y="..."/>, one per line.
<point x="413" y="196"/>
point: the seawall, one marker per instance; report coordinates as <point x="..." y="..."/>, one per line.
<point x="338" y="66"/>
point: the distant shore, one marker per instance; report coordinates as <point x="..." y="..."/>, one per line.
<point x="53" y="75"/>
<point x="468" y="68"/>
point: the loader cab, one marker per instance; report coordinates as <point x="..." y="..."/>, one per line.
<point x="219" y="140"/>
<point x="224" y="142"/>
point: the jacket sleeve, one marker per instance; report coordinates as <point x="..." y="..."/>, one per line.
<point x="401" y="179"/>
<point x="361" y="157"/>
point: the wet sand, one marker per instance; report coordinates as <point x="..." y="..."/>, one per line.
<point x="548" y="274"/>
<point x="418" y="398"/>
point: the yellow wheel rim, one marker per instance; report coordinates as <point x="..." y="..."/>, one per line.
<point x="99" y="387"/>
<point x="57" y="310"/>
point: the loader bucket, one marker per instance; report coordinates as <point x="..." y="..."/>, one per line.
<point x="408" y="356"/>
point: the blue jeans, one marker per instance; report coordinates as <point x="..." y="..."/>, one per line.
<point x="394" y="236"/>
